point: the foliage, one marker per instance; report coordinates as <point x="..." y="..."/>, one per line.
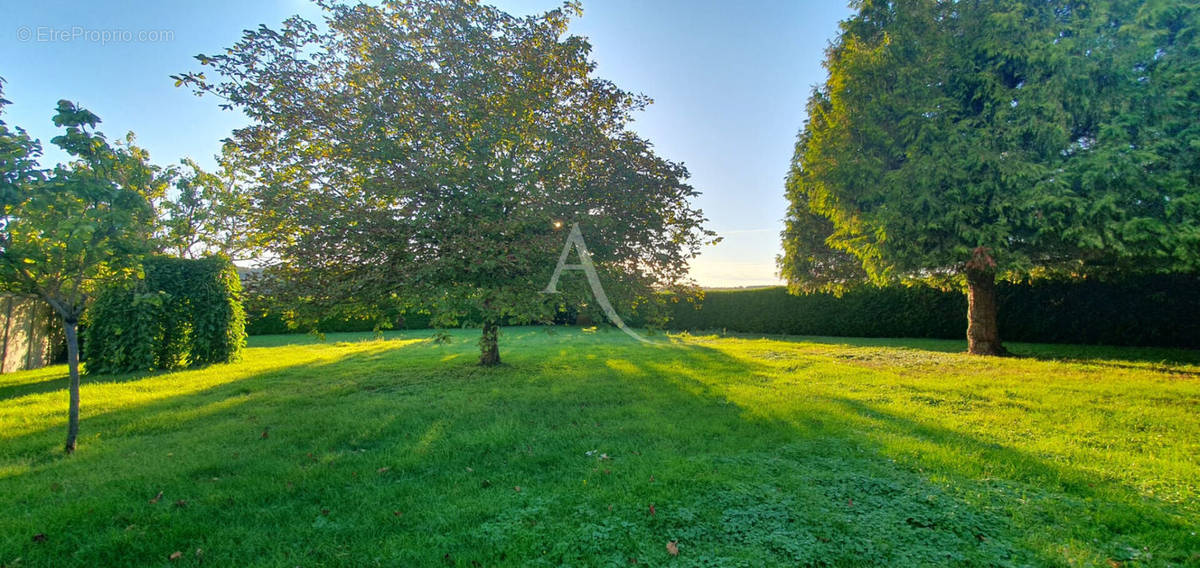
<point x="1150" y="310"/>
<point x="1023" y="139"/>
<point x="81" y="223"/>
<point x="64" y="232"/>
<point x="428" y="149"/>
<point x="754" y="452"/>
<point x="862" y="311"/>
<point x="206" y="214"/>
<point x="18" y="161"/>
<point x="124" y="329"/>
<point x="263" y="319"/>
<point x="184" y="312"/>
<point x="270" y="309"/>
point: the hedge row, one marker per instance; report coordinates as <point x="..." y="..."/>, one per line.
<point x="1158" y="310"/>
<point x="866" y="312"/>
<point x="267" y="322"/>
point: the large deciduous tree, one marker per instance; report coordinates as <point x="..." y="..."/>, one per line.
<point x="428" y="148"/>
<point x="65" y="231"/>
<point x="961" y="142"/>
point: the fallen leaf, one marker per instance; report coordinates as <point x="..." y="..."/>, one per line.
<point x="39" y="537"/>
<point x="176" y="555"/>
<point x="382" y="470"/>
<point x="156" y="498"/>
<point x="651" y="510"/>
<point x="398" y="513"/>
<point x="651" y="479"/>
<point x="517" y="489"/>
<point x="264" y="435"/>
<point x="1114" y="563"/>
<point x="672" y="548"/>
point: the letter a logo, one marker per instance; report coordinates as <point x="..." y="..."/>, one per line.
<point x="585" y="264"/>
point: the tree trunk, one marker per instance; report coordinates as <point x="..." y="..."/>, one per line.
<point x="983" y="330"/>
<point x="489" y="347"/>
<point x="73" y="365"/>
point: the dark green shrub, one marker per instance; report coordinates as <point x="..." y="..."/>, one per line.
<point x="866" y="312"/>
<point x="1154" y="310"/>
<point x="182" y="313"/>
<point x="121" y="329"/>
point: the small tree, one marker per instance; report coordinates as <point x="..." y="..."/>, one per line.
<point x="961" y="142"/>
<point x="427" y="149"/>
<point x="207" y="213"/>
<point x="66" y="231"/>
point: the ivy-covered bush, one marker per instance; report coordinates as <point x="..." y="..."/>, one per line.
<point x="182" y="313"/>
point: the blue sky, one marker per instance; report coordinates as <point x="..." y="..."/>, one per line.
<point x="729" y="81"/>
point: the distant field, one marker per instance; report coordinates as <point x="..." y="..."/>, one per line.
<point x="590" y="449"/>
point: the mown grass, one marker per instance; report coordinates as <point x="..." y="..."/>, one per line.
<point x="744" y="451"/>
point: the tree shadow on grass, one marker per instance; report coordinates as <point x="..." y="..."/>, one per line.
<point x="60" y="380"/>
<point x="172" y="390"/>
<point x="1078" y="509"/>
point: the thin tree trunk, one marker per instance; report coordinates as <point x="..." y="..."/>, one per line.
<point x="983" y="329"/>
<point x="489" y="347"/>
<point x="73" y="365"/>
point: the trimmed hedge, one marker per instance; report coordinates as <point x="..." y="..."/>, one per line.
<point x="182" y="313"/>
<point x="1158" y="310"/>
<point x="864" y="312"/>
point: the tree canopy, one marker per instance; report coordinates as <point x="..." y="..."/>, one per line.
<point x="206" y="214"/>
<point x="433" y="148"/>
<point x="972" y="140"/>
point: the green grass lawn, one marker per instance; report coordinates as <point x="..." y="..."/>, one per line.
<point x="591" y="449"/>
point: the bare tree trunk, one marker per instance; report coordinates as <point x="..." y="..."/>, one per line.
<point x="983" y="329"/>
<point x="489" y="347"/>
<point x="73" y="365"/>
